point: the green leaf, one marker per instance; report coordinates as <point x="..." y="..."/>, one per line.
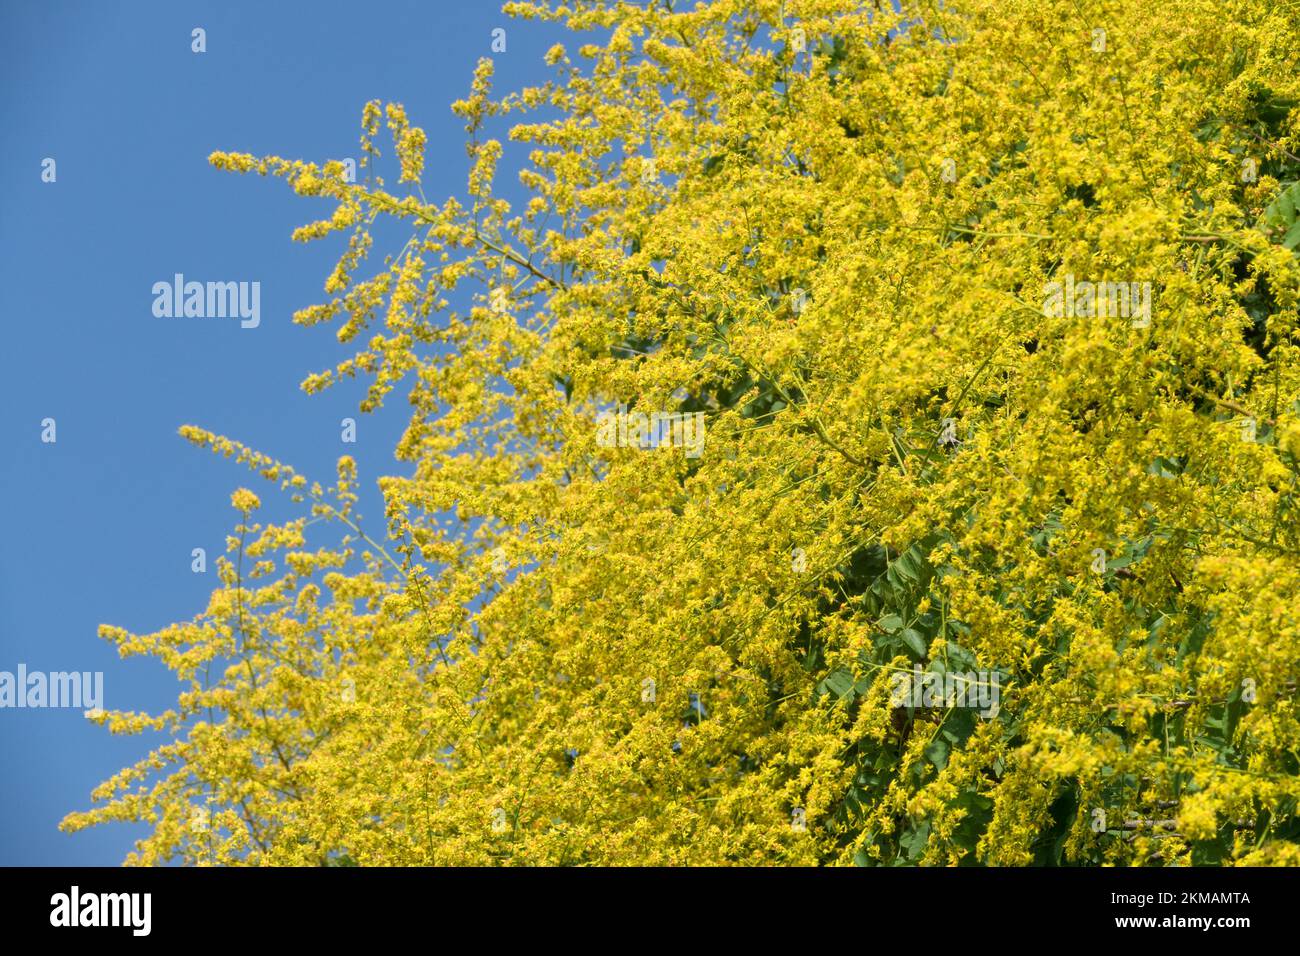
<point x="959" y="657"/>
<point x="1292" y="237"/>
<point x="914" y="843"/>
<point x="936" y="751"/>
<point x="1280" y="217"/>
<point x="838" y="682"/>
<point x="914" y="641"/>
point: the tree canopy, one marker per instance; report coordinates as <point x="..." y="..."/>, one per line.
<point x="851" y="242"/>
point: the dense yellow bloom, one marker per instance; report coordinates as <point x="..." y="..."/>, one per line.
<point x="986" y="312"/>
<point x="244" y="500"/>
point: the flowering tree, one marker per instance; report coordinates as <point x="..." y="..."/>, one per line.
<point x="875" y="440"/>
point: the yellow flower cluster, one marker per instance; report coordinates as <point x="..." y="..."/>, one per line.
<point x="244" y="500"/>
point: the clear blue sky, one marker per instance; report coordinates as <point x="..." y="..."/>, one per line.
<point x="99" y="526"/>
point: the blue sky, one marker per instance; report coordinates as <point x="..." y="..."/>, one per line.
<point x="100" y="525"/>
